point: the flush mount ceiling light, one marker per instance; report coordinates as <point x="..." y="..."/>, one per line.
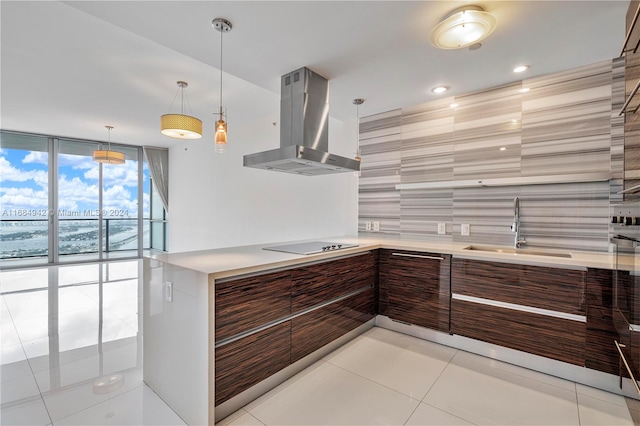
<point x="180" y="126"/>
<point x="521" y="68"/>
<point x="463" y="27"/>
<point x="107" y="156"/>
<point x="439" y="89"/>
<point x="224" y="26"/>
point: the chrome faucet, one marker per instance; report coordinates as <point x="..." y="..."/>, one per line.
<point x="519" y="240"/>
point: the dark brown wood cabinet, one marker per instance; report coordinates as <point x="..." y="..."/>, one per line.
<point x="600" y="353"/>
<point x="245" y="303"/>
<point x="319" y="283"/>
<point x="535" y="309"/>
<point x="265" y="322"/>
<point x="246" y="362"/>
<point x="415" y="288"/>
<point x="312" y="331"/>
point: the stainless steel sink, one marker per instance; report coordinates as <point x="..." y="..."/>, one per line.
<point x="521" y="251"/>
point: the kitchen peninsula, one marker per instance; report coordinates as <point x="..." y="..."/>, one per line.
<point x="182" y="338"/>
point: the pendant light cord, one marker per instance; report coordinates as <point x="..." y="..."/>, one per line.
<point x="221" y="35"/>
<point x="358" y="129"/>
<point x="109" y="136"/>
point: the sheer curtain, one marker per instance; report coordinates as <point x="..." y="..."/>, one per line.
<point x="158" y="161"/>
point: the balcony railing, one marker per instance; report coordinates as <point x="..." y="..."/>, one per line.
<point x="23" y="238"/>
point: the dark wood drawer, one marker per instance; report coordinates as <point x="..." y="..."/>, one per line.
<point x="600" y="352"/>
<point x="311" y="331"/>
<point x="547" y="336"/>
<point x="251" y="302"/>
<point x="419" y="289"/>
<point x="322" y="282"/>
<point x="248" y="361"/>
<point x="555" y="289"/>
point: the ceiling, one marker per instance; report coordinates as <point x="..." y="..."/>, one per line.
<point x="70" y="68"/>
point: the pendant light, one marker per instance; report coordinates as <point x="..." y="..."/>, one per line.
<point x="181" y="126"/>
<point x="357" y="102"/>
<point x="224" y="26"/>
<point x="108" y="156"/>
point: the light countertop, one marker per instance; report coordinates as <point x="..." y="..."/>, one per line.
<point x="231" y="261"/>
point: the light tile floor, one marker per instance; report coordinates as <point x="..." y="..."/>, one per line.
<point x="71" y="354"/>
<point x="71" y="348"/>
<point x="386" y="378"/>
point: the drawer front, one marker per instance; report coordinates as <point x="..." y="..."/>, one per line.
<point x="600" y="352"/>
<point x="251" y="302"/>
<point x="311" y="331"/>
<point x="562" y="290"/>
<point x="419" y="289"/>
<point x="547" y="336"/>
<point x="315" y="284"/>
<point x="248" y="361"/>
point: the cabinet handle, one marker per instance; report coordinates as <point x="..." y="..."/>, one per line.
<point x="631" y="95"/>
<point x="631" y="27"/>
<point x="619" y="346"/>
<point x="419" y="256"/>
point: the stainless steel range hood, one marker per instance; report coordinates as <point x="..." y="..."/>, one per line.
<point x="304" y="130"/>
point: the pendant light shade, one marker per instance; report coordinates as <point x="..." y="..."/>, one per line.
<point x="108" y="156"/>
<point x="223" y="26"/>
<point x="463" y="27"/>
<point x="358" y="157"/>
<point x="221" y="132"/>
<point x="357" y="102"/>
<point x="181" y="126"/>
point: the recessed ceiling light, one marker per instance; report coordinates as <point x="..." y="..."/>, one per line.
<point x="439" y="89"/>
<point x="524" y="90"/>
<point x="521" y="68"/>
<point x="515" y="120"/>
<point x="454" y="105"/>
<point x="503" y="148"/>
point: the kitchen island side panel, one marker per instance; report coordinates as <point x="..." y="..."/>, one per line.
<point x="176" y="339"/>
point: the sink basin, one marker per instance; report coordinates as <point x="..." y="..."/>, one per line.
<point x="521" y="251"/>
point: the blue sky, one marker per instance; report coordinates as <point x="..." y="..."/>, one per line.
<point x="24" y="184"/>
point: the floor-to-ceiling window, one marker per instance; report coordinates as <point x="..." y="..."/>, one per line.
<point x="78" y="200"/>
<point x="24" y="197"/>
<point x="58" y="205"/>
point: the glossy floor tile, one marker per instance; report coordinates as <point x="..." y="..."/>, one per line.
<point x="330" y="395"/>
<point x="71" y="348"/>
<point x="374" y="379"/>
<point x="71" y="354"/>
<point x="407" y="365"/>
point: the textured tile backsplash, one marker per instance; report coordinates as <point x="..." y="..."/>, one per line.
<point x="556" y="124"/>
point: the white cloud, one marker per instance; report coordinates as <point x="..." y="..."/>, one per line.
<point x="21" y="198"/>
<point x="8" y="173"/>
<point x="77" y="162"/>
<point x="36" y="157"/>
<point x="116" y="174"/>
<point x="75" y="193"/>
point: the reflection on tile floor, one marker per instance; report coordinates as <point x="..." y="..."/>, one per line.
<point x="71" y="354"/>
<point x="71" y="351"/>
<point x="386" y="378"/>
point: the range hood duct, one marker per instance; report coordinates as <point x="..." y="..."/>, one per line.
<point x="304" y="130"/>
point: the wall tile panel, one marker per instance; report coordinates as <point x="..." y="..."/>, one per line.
<point x="485" y="122"/>
<point x="380" y="146"/>
<point x="565" y="123"/>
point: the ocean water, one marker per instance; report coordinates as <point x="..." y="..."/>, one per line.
<point x="30" y="238"/>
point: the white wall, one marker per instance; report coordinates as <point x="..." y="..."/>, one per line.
<point x="216" y="202"/>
